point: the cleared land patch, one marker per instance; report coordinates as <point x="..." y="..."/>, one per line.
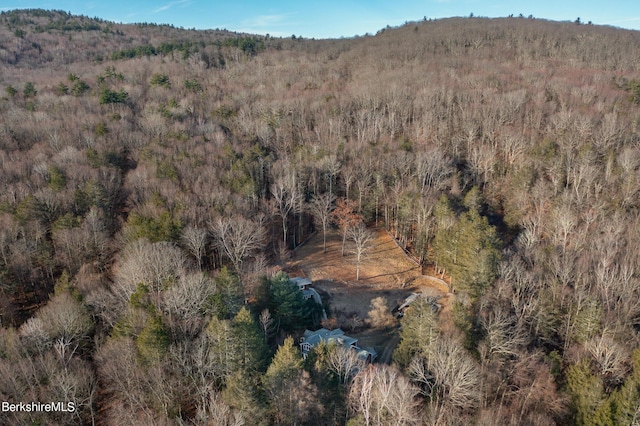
<point x="385" y="271"/>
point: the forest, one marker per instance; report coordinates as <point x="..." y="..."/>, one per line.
<point x="156" y="181"/>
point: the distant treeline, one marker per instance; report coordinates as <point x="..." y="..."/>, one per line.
<point x="58" y="20"/>
<point x="249" y="45"/>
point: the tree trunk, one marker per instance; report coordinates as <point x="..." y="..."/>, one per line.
<point x="344" y="239"/>
<point x="324" y="238"/>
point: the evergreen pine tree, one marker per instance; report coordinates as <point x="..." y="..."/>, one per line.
<point x="252" y="351"/>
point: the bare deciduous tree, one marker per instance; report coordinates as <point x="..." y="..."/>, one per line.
<point x="87" y="242"/>
<point x="192" y="360"/>
<point x="9" y="233"/>
<point x="266" y="323"/>
<point x="239" y="238"/>
<point x="363" y="182"/>
<point x="482" y="160"/>
<point x="65" y="322"/>
<point x="382" y="396"/>
<point x="362" y="238"/>
<point x="449" y="375"/>
<point x="186" y="302"/>
<point x="610" y="356"/>
<point x="287" y="198"/>
<point x="344" y="363"/>
<point x="195" y="240"/>
<point x="35" y="337"/>
<point x="380" y="315"/>
<point x="320" y="209"/>
<point x="349" y="176"/>
<point x="156" y="265"/>
<point x="345" y="216"/>
<point x="332" y="165"/>
<point x="121" y="375"/>
<point x="215" y="412"/>
<point x="503" y="334"/>
<point x="432" y="168"/>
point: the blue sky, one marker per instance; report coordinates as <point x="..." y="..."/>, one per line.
<point x="331" y="18"/>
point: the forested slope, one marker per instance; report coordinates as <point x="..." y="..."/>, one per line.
<point x="154" y="179"/>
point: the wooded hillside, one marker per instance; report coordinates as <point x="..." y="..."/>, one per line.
<point x="155" y="179"/>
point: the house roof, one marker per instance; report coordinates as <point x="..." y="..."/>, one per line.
<point x="336" y="336"/>
<point x="312" y="338"/>
<point x="301" y="282"/>
<point x="366" y="352"/>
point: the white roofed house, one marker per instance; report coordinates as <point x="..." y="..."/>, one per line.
<point x="311" y="339"/>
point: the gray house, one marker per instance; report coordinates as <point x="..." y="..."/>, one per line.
<point x="311" y="339"/>
<point x="304" y="285"/>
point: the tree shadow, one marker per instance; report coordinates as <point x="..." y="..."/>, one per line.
<point x="390" y="273"/>
<point x="383" y="250"/>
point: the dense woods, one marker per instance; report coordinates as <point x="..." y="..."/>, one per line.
<point x="155" y="181"/>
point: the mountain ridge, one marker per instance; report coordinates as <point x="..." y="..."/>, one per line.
<point x="35" y="30"/>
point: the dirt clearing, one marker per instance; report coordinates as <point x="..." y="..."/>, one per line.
<point x="385" y="271"/>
